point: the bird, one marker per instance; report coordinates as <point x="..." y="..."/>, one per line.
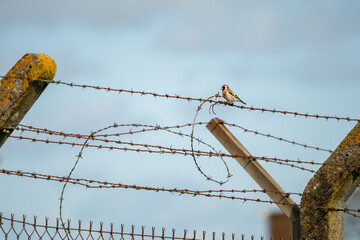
<point x="230" y="96"/>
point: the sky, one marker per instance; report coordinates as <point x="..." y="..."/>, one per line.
<point x="287" y="55"/>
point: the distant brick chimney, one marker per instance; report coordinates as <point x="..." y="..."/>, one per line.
<point x="280" y="227"/>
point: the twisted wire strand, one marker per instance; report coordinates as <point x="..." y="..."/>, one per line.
<point x="119" y="90"/>
<point x="229" y="175"/>
<point x="89" y="183"/>
<point x="147" y="146"/>
<point x="278" y="138"/>
<point x="206" y="193"/>
<point x="185" y="152"/>
<point x="182" y="151"/>
<point x="148" y="128"/>
<point x="158" y="127"/>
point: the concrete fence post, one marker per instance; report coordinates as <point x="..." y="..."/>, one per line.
<point x="257" y="172"/>
<point x="330" y="188"/>
<point x="19" y="89"/>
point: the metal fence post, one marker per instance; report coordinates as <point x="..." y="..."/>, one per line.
<point x="257" y="172"/>
<point x="330" y="188"/>
<point x="19" y="89"/>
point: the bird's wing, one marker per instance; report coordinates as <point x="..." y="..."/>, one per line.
<point x="233" y="94"/>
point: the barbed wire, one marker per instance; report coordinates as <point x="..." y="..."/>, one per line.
<point x="158" y="127"/>
<point x="175" y="96"/>
<point x="119" y="90"/>
<point x="229" y="175"/>
<point x="149" y="127"/>
<point x="172" y="150"/>
<point x="147" y="146"/>
<point x="278" y="138"/>
<point x="206" y="193"/>
<point x="352" y="214"/>
<point x="105" y="184"/>
<point x="185" y="152"/>
<point x="78" y="157"/>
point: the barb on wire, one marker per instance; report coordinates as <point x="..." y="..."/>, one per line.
<point x="352" y="214"/>
<point x="89" y="183"/>
<point x="91" y="137"/>
<point x="147" y="146"/>
<point x="70" y="173"/>
<point x="206" y="193"/>
<point x="148" y="128"/>
<point x="193" y="152"/>
<point x="278" y="138"/>
<point x="284" y="112"/>
<point x="185" y="152"/>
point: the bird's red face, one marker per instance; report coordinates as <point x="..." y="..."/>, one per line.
<point x="223" y="87"/>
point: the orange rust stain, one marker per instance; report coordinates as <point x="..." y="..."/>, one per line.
<point x="351" y="139"/>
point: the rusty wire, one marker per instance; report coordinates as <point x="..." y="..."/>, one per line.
<point x="352" y="214"/>
<point x="229" y="175"/>
<point x="185" y="152"/>
<point x="277" y="138"/>
<point x="170" y="149"/>
<point x="88" y="183"/>
<point x="158" y="127"/>
<point x="78" y="157"/>
<point x="284" y="112"/>
<point x="206" y="193"/>
<point x="147" y="146"/>
<point x="175" y="96"/>
<point x="131" y="132"/>
<point x="162" y="149"/>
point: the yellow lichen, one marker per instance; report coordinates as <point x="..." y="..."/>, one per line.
<point x="35" y="65"/>
<point x="5" y="89"/>
<point x="352" y="138"/>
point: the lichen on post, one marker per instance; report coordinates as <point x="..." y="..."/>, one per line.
<point x="20" y="88"/>
<point x="330" y="188"/>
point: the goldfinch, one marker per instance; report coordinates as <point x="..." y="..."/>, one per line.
<point x="230" y="96"/>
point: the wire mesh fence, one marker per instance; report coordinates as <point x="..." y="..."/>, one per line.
<point x="34" y="229"/>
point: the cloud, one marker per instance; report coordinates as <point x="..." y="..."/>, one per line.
<point x="108" y="12"/>
<point x="189" y="25"/>
<point x="310" y="40"/>
<point x="262" y="26"/>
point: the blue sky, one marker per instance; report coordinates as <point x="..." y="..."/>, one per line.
<point x="297" y="56"/>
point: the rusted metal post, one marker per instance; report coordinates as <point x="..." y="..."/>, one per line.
<point x="19" y="89"/>
<point x="257" y="172"/>
<point x="330" y="188"/>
